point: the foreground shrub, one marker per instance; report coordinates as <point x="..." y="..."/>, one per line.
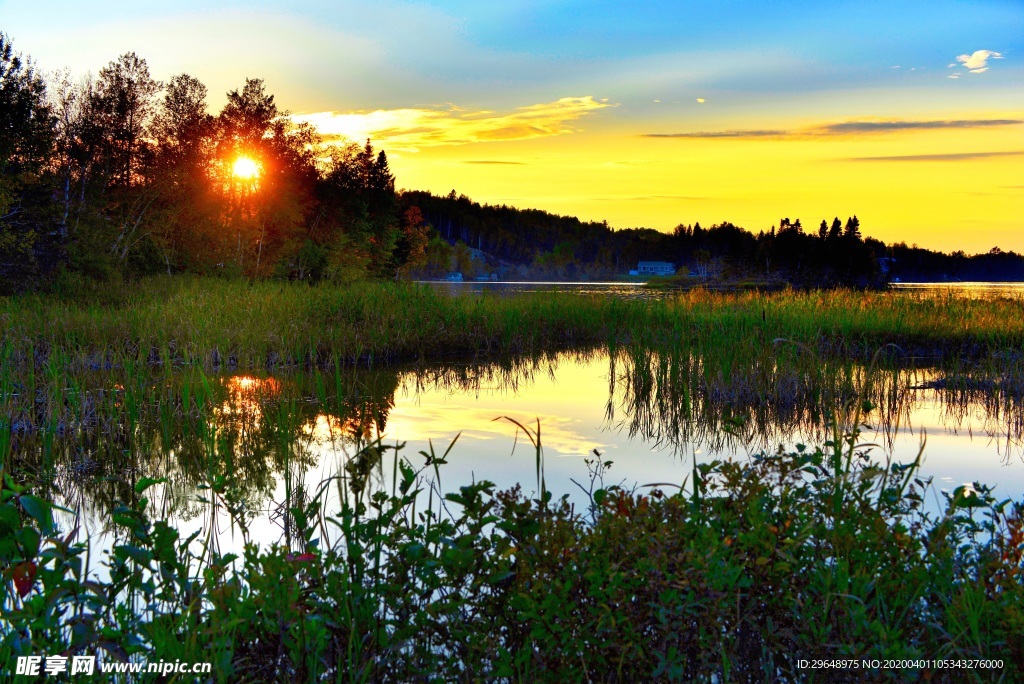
<point x="749" y="568"/>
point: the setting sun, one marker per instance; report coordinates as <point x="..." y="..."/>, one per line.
<point x="245" y="168"/>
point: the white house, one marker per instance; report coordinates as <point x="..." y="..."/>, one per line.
<point x="661" y="268"/>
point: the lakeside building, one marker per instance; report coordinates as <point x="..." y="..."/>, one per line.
<point x="661" y="268"/>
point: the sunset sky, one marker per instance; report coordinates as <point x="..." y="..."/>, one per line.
<point x="908" y="114"/>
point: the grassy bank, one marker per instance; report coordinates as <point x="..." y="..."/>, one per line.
<point x="247" y="325"/>
<point x="748" y="569"/>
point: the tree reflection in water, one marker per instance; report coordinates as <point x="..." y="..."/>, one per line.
<point x="241" y="437"/>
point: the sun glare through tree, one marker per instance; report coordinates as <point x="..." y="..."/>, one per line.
<point x="246" y="168"/>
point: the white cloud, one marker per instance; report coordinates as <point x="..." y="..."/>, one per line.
<point x="977" y="61"/>
<point x="410" y="129"/>
<point x="953" y="76"/>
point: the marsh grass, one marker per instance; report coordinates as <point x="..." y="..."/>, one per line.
<point x="237" y="324"/>
<point x="706" y="350"/>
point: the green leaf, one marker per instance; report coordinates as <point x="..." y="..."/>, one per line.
<point x="38" y="510"/>
<point x="500" y="576"/>
<point x="139" y="555"/>
<point x="9" y="519"/>
<point x="29" y="539"/>
<point x="145" y="483"/>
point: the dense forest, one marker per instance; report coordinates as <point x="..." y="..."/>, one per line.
<point x="118" y="175"/>
<point x="535" y="244"/>
<point x="543" y="245"/>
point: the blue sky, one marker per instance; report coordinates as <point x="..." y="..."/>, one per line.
<point x="494" y="52"/>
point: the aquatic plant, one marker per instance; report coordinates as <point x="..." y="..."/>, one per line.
<point x="737" y="574"/>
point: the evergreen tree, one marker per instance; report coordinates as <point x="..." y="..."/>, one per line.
<point x="836" y="230"/>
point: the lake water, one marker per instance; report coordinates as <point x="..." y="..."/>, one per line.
<point x="636" y="290"/>
<point x="973" y="290"/>
<point x="272" y="434"/>
<point x="624" y="290"/>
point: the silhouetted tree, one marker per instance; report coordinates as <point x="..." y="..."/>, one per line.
<point x="248" y="115"/>
<point x="852" y="229"/>
<point x="124" y="101"/>
<point x="836" y="229"/>
<point x="26" y="146"/>
<point x="185" y="224"/>
<point x="268" y="216"/>
<point x="182" y="126"/>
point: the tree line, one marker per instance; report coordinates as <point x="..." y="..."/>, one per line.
<point x="533" y="244"/>
<point x="544" y="245"/>
<point x="120" y="174"/>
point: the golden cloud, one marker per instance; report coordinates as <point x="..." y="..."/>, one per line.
<point x="413" y="128"/>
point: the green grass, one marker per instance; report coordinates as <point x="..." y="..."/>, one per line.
<point x="252" y="325"/>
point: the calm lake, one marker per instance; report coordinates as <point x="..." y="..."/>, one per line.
<point x="651" y="417"/>
<point x="638" y="291"/>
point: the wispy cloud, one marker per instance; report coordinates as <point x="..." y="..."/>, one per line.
<point x="977" y="61"/>
<point x="844" y="128"/>
<point x="413" y="128"/>
<point x="719" y="134"/>
<point x="648" y="198"/>
<point x="493" y="161"/>
<point x="955" y="156"/>
<point x="885" y="126"/>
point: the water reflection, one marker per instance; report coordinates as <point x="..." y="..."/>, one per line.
<point x="257" y="444"/>
<point x="969" y="290"/>
<point x="675" y="399"/>
<point x="622" y="290"/>
<point x="636" y="290"/>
